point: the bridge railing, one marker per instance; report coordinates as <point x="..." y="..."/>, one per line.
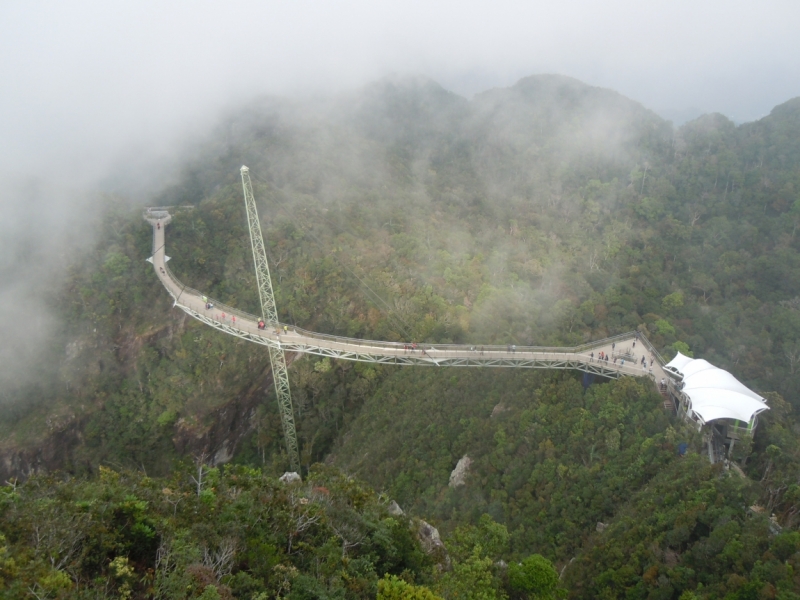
<point x="218" y="306"/>
<point x="376" y="344"/>
<point x="583" y="348"/>
<point x="181" y="288"/>
<point x="653" y="350"/>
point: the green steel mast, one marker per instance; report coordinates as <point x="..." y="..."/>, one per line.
<point x="269" y="313"/>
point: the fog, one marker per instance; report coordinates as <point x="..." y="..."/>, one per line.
<point x="100" y="97"/>
<point x="83" y="78"/>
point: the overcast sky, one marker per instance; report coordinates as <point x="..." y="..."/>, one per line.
<point x="83" y="79"/>
<point x="84" y="83"/>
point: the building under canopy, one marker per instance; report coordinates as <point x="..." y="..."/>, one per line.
<point x="708" y="393"/>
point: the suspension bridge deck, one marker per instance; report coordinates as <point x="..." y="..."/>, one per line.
<point x="624" y="347"/>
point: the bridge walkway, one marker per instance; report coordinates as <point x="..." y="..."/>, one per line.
<point x="244" y="325"/>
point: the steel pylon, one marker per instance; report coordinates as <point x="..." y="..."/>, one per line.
<point x="269" y="313"/>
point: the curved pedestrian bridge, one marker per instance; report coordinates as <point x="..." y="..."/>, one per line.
<point x="625" y="347"/>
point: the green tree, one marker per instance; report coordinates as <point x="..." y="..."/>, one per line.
<point x="490" y="536"/>
<point x="472" y="579"/>
<point x="683" y="348"/>
<point x="535" y="577"/>
<point x="392" y="587"/>
<point x="663" y="327"/>
<point x="672" y="301"/>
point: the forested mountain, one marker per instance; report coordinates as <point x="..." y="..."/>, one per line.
<point x="550" y="212"/>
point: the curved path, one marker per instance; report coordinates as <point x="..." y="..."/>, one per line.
<point x="245" y="326"/>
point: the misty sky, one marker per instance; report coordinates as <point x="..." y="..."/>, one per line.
<point x="83" y="79"/>
<point x="88" y="85"/>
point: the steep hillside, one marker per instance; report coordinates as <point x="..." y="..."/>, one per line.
<point x="550" y="212"/>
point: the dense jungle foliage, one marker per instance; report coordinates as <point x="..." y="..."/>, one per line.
<point x="232" y="532"/>
<point x="547" y="213"/>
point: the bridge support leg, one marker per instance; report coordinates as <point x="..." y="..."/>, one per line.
<point x="280" y="376"/>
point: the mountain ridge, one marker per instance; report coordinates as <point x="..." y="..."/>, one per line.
<point x="517" y="217"/>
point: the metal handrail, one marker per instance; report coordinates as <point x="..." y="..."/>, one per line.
<point x="373" y="347"/>
<point x="581" y="349"/>
<point x="151" y="209"/>
<point x="217" y="305"/>
<point x="487" y="348"/>
<point x="652" y="349"/>
<point x="230" y="310"/>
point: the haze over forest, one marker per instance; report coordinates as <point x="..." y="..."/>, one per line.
<point x="448" y="173"/>
<point x="101" y="98"/>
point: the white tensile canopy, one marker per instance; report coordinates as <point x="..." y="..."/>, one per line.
<point x="677" y="363"/>
<point x="714" y="393"/>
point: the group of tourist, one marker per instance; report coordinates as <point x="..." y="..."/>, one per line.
<point x="602" y="356"/>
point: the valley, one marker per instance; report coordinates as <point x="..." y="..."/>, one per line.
<point x="547" y="214"/>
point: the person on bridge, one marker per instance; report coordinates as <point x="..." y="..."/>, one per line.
<point x="261" y="324"/>
<point x="513" y="349"/>
<point x="285" y="329"/>
<point x="158" y="225"/>
<point x="591" y="356"/>
<point x="613" y="345"/>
